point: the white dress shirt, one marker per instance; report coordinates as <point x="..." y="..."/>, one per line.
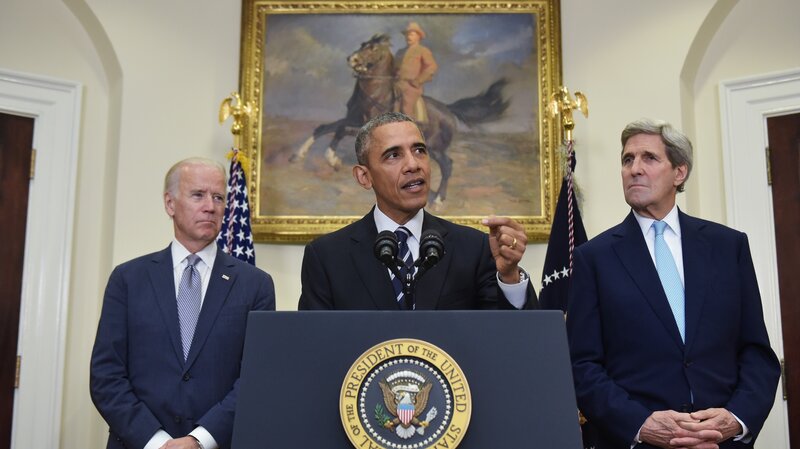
<point x="207" y="257"/>
<point x="672" y="237"/>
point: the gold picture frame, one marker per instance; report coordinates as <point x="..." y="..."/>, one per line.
<point x="296" y="73"/>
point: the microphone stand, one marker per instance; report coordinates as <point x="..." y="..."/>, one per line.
<point x="431" y="251"/>
<point x="407" y="279"/>
<point x="409" y="284"/>
<point x="410" y="281"/>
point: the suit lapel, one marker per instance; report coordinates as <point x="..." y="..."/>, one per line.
<point x="429" y="288"/>
<point x="697" y="269"/>
<point x="223" y="276"/>
<point x="163" y="283"/>
<point x="373" y="275"/>
<point x="632" y="251"/>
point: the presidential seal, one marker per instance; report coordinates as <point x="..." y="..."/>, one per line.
<point x="405" y="394"/>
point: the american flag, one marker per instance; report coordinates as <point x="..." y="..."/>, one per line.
<point x="566" y="234"/>
<point x="236" y="236"/>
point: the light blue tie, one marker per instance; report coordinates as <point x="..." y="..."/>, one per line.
<point x="670" y="278"/>
<point x="189" y="293"/>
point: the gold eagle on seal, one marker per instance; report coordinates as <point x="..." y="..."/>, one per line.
<point x="406" y="395"/>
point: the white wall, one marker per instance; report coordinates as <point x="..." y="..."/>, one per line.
<point x="627" y="57"/>
<point x="154" y="73"/>
<point x="43" y="37"/>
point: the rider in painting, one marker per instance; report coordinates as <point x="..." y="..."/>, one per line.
<point x="414" y="66"/>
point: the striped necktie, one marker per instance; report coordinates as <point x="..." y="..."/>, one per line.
<point x="670" y="278"/>
<point x="402" y="234"/>
<point x="189" y="294"/>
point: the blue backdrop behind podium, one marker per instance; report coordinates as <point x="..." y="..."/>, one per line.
<point x="516" y="363"/>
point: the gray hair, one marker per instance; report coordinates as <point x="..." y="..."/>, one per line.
<point x="173" y="177"/>
<point x="365" y="133"/>
<point x="679" y="147"/>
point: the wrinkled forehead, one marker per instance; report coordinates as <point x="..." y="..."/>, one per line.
<point x="644" y="143"/>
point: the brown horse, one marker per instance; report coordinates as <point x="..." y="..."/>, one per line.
<point x="373" y="67"/>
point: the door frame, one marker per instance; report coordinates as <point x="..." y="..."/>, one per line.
<point x="55" y="105"/>
<point x="745" y="105"/>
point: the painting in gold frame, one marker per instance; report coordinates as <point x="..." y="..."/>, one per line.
<point x="297" y="72"/>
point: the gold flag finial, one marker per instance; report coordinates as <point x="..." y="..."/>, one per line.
<point x="561" y="103"/>
<point x="233" y="106"/>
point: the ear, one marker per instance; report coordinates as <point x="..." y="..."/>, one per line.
<point x="169" y="204"/>
<point x="680" y="174"/>
<point x="362" y="176"/>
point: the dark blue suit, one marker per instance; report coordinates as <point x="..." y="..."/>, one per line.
<point x="340" y="272"/>
<point x="139" y="381"/>
<point x="627" y="355"/>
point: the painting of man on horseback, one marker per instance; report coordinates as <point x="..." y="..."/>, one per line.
<point x="479" y="116"/>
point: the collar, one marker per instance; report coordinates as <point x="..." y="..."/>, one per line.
<point x="179" y="253"/>
<point x="671" y="219"/>
<point x="384" y="223"/>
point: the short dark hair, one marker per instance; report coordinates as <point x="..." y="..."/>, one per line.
<point x="365" y="133"/>
<point x="679" y="147"/>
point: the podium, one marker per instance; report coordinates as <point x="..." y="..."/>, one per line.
<point x="516" y="364"/>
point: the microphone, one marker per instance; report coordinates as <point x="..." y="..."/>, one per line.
<point x="386" y="249"/>
<point x="431" y="250"/>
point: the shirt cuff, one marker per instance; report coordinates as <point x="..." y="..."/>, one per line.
<point x="158" y="439"/>
<point x="515" y="293"/>
<point x="638" y="438"/>
<point x="204" y="437"/>
<point x="745" y="432"/>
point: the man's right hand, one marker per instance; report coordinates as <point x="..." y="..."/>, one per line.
<point x="663" y="426"/>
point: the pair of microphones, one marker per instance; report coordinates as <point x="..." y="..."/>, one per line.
<point x="431" y="251"/>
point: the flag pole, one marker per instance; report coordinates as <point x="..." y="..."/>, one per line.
<point x="561" y="105"/>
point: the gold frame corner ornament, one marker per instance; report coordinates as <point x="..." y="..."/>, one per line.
<point x="302" y="228"/>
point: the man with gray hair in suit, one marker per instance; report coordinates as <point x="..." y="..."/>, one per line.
<point x="165" y="364"/>
<point x="667" y="337"/>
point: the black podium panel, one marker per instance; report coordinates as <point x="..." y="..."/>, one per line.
<point x="516" y="363"/>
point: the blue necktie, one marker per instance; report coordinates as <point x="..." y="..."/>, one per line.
<point x="408" y="265"/>
<point x="189" y="294"/>
<point x="670" y="278"/>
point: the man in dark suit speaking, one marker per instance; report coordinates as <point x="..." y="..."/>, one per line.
<point x="341" y="271"/>
<point x="165" y="364"/>
<point x="666" y="332"/>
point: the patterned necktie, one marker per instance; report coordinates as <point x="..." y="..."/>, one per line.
<point x="189" y="294"/>
<point x="408" y="266"/>
<point x="670" y="278"/>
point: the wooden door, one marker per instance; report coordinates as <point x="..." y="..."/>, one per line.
<point x="784" y="158"/>
<point x="16" y="141"/>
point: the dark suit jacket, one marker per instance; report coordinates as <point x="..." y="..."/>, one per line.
<point x="627" y="355"/>
<point x="139" y="381"/>
<point x="340" y="272"/>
